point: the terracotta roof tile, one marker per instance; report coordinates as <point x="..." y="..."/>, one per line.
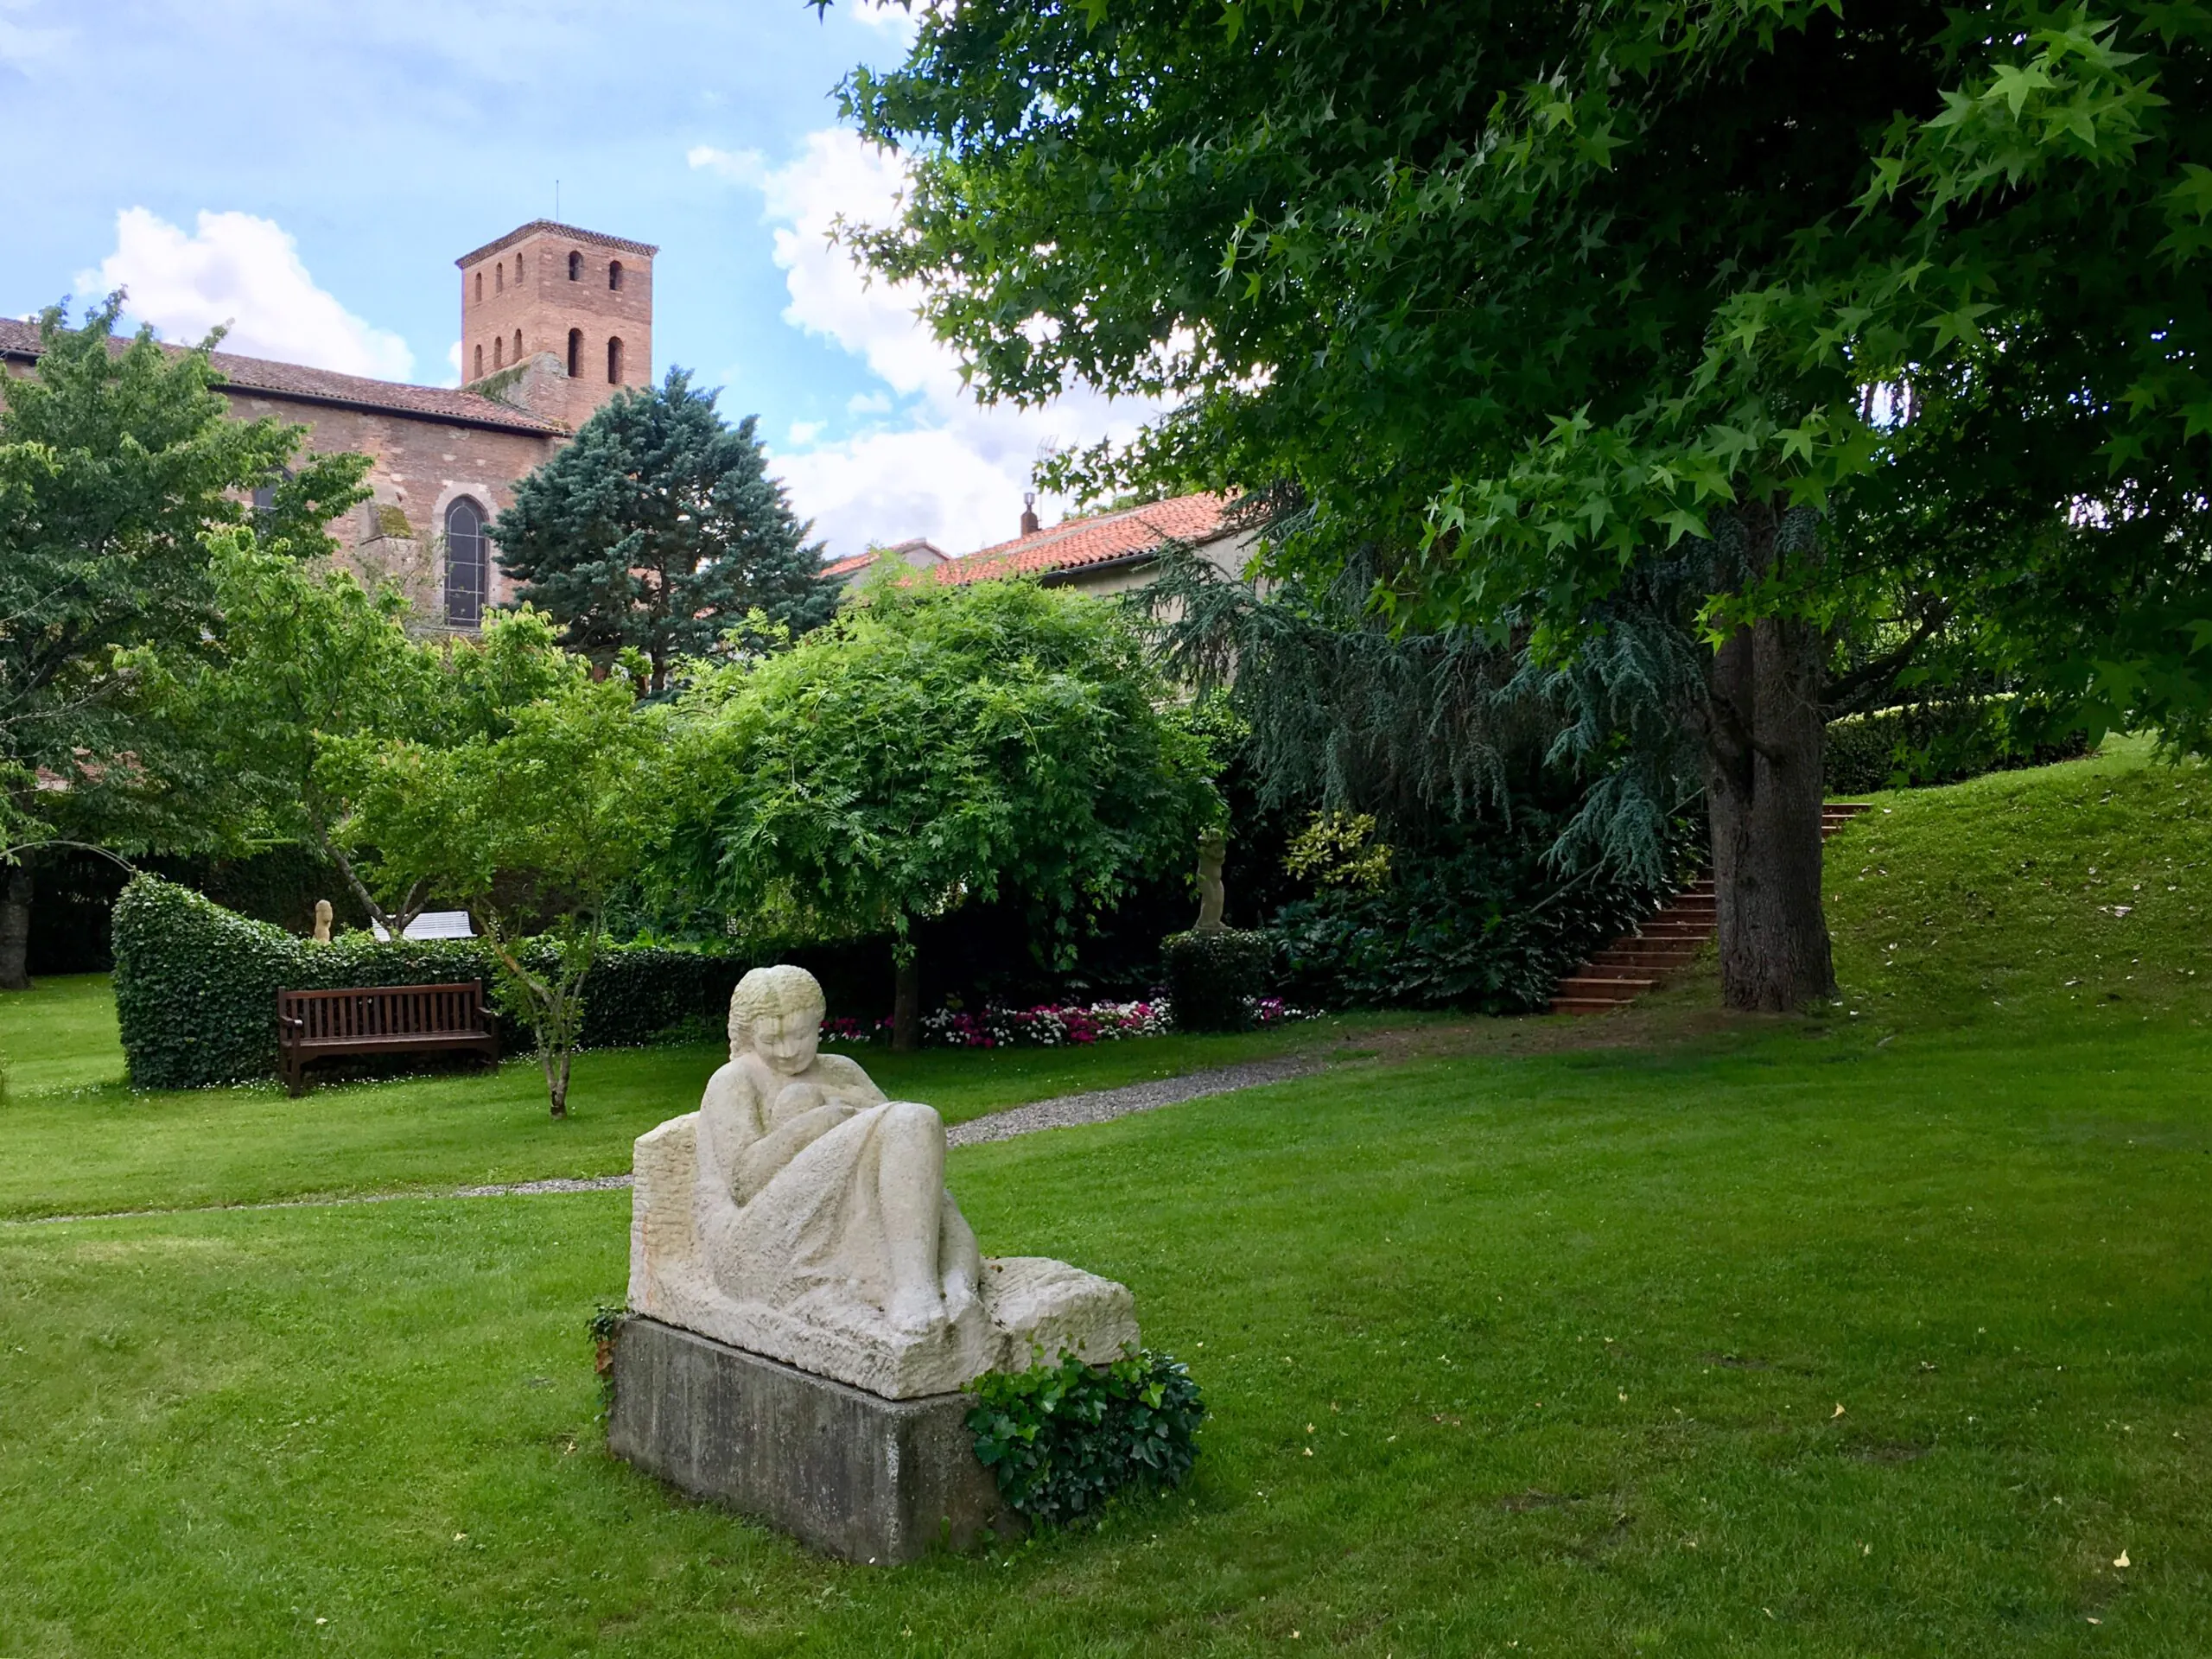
<point x="554" y="227"/>
<point x="1101" y="539"/>
<point x="20" y="339"/>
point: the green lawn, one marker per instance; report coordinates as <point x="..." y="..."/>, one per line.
<point x="59" y="1035"/>
<point x="100" y="1146"/>
<point x="1509" y="1354"/>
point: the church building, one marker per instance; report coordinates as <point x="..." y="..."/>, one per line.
<point x="554" y="321"/>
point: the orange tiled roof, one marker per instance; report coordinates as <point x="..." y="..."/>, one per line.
<point x="21" y="340"/>
<point x="843" y="567"/>
<point x="1101" y="539"/>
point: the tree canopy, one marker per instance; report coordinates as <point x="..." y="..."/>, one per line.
<point x="1649" y="321"/>
<point x="118" y="464"/>
<point x="932" y="748"/>
<point x="659" y="530"/>
<point x="308" y="660"/>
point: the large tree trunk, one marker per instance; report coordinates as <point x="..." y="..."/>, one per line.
<point x="905" y="1002"/>
<point x="16" y="928"/>
<point x="1763" y="738"/>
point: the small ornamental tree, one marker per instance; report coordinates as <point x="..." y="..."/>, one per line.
<point x="118" y="466"/>
<point x="659" y="530"/>
<point x="928" y="748"/>
<point x="533" y="828"/>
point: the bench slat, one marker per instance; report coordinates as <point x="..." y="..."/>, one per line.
<point x="382" y="1020"/>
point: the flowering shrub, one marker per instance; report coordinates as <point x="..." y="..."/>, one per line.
<point x="1044" y="1028"/>
<point x="1049" y="1025"/>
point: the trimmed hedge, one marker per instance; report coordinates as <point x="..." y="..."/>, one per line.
<point x="196" y="985"/>
<point x="1213" y="978"/>
<point x="1923" y="744"/>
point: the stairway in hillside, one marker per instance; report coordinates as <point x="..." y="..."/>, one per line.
<point x="1636" y="962"/>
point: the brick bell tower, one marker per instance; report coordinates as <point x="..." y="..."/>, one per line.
<point x="557" y="320"/>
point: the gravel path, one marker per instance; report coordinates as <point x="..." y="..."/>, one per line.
<point x="1061" y="1112"/>
<point x="1098" y="1107"/>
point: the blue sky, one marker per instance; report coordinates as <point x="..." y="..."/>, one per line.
<point x="312" y="169"/>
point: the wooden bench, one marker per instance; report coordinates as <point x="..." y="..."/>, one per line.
<point x="315" y="1025"/>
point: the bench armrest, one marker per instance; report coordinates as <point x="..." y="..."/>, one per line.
<point x="290" y="1020"/>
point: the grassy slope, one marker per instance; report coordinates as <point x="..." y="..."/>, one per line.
<point x="2003" y="899"/>
<point x="1975" y="1217"/>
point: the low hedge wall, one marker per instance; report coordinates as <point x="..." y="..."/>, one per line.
<point x="1923" y="744"/>
<point x="196" y="985"/>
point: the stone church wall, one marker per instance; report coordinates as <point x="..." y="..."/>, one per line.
<point x="421" y="468"/>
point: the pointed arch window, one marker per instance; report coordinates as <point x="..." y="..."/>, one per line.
<point x="615" y="273"/>
<point x="576" y="267"/>
<point x="480" y="286"/>
<point x="614" y="362"/>
<point x="576" y="353"/>
<point x="480" y="362"/>
<point x="517" y="345"/>
<point x="499" y="277"/>
<point x="465" y="564"/>
<point x="518" y="270"/>
<point x="499" y="353"/>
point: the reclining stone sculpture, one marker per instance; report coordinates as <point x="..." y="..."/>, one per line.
<point x="800" y="1215"/>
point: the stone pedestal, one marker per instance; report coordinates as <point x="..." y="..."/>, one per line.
<point x="858" y="1475"/>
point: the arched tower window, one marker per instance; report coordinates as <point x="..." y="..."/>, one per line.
<point x="576" y="267"/>
<point x="517" y="345"/>
<point x="499" y="353"/>
<point x="464" y="564"/>
<point x="576" y="353"/>
<point x="614" y="362"/>
<point x="480" y="362"/>
<point x="480" y="287"/>
<point x="615" y="273"/>
<point x="517" y="271"/>
<point x="499" y="277"/>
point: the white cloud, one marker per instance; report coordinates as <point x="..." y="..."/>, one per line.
<point x="741" y="166"/>
<point x="949" y="469"/>
<point x="22" y="45"/>
<point x="902" y="23"/>
<point x="245" y="272"/>
<point x="452" y="358"/>
<point x="805" y="432"/>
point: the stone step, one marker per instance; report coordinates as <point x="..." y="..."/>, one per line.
<point x="1583" y="1005"/>
<point x="1647" y="962"/>
<point x="1635" y="972"/>
<point x="1579" y="985"/>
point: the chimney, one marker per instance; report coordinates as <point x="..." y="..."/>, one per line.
<point x="1030" y="522"/>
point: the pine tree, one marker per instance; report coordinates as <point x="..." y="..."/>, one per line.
<point x="660" y="529"/>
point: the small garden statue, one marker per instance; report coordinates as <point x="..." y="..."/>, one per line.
<point x="322" y="921"/>
<point x="798" y="1214"/>
<point x="1213" y="846"/>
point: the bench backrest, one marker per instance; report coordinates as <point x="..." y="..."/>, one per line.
<point x="380" y="1011"/>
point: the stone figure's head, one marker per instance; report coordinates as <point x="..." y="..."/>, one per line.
<point x="777" y="1013"/>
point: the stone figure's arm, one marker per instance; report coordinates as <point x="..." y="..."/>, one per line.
<point x="762" y="1162"/>
<point x="847" y="1079"/>
<point x="727" y="1126"/>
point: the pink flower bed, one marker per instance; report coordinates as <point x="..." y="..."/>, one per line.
<point x="1049" y="1025"/>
